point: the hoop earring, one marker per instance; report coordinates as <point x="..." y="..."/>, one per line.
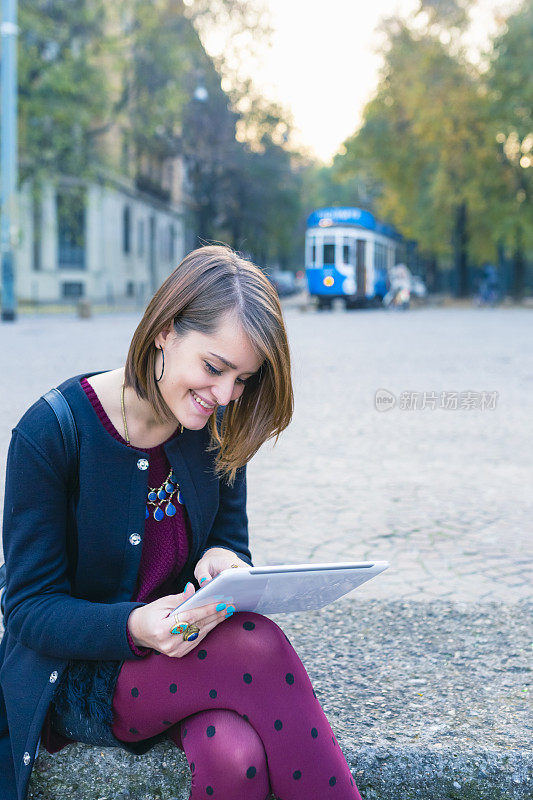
<point x="163" y="354"/>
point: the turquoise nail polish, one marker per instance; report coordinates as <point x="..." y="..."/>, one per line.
<point x="203" y="579"/>
<point x="231" y="609"/>
<point x="189" y="584"/>
<point x="221" y="607"/>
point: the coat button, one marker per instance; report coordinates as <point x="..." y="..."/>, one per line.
<point x="53" y="676"/>
<point x="142" y="463"/>
<point x="135" y="538"/>
<point x="26" y="758"/>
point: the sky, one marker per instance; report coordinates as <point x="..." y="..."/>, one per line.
<point x="323" y="62"/>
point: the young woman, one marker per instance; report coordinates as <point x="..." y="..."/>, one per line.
<point x="91" y="652"/>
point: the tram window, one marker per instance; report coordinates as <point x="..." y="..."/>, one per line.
<point x="313" y="254"/>
<point x="329" y="254"/>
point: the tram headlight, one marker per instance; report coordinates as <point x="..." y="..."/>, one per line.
<point x="328" y="281"/>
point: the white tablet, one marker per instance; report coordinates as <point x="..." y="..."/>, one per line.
<point x="283" y="587"/>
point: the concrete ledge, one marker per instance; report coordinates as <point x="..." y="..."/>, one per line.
<point x="427" y="701"/>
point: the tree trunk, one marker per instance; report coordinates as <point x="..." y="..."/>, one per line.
<point x="519" y="265"/>
<point x="460" y="242"/>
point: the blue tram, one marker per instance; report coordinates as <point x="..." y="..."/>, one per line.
<point x="347" y="255"/>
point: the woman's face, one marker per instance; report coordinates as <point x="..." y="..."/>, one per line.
<point x="203" y="371"/>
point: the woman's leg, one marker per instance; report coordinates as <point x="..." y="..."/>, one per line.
<point x="230" y="764"/>
<point x="247" y="665"/>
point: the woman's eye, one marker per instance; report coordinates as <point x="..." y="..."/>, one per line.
<point x="212" y="369"/>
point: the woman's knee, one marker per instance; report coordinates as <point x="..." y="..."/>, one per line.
<point x="227" y="755"/>
<point x="257" y="635"/>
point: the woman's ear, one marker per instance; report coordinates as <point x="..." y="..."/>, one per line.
<point x="161" y="338"/>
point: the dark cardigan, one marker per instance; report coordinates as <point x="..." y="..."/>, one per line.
<point x="72" y="571"/>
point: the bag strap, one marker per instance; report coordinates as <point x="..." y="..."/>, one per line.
<point x="61" y="408"/>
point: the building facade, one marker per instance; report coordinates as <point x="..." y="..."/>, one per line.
<point x="103" y="240"/>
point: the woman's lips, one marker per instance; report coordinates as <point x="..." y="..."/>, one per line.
<point x="199" y="407"/>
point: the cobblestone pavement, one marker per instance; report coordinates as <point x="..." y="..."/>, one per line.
<point x="444" y="495"/>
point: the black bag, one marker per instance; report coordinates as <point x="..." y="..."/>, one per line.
<point x="59" y="405"/>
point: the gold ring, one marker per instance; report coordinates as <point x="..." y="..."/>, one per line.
<point x="235" y="566"/>
<point x="191" y="633"/>
<point x="179" y="627"/>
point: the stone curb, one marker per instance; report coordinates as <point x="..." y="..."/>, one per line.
<point x="426" y="700"/>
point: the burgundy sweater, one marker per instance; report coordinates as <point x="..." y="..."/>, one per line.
<point x="165" y="545"/>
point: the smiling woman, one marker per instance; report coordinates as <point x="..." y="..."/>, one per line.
<point x="218" y="312"/>
<point x="89" y="629"/>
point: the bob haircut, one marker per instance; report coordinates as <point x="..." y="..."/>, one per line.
<point x="209" y="283"/>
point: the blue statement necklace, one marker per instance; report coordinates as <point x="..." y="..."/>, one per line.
<point x="164" y="494"/>
<point x="157" y="497"/>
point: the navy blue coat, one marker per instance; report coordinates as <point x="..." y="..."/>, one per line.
<point x="72" y="571"/>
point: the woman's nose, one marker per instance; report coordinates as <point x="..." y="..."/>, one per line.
<point x="225" y="391"/>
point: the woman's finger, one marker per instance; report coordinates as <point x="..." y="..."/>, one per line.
<point x="182" y="648"/>
<point x="196" y="615"/>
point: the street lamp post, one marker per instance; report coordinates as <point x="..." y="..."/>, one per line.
<point x="8" y="153"/>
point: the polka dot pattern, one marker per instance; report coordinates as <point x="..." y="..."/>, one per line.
<point x="284" y="738"/>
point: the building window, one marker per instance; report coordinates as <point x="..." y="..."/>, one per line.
<point x="171" y="242"/>
<point x="140" y="238"/>
<point x="72" y="290"/>
<point x="71" y="227"/>
<point x="126" y="229"/>
<point x="37" y="227"/>
<point x="130" y="289"/>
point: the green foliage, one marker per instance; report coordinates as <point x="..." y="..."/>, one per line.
<point x="62" y="91"/>
<point x="510" y="92"/>
<point x="116" y="87"/>
<point x="445" y="144"/>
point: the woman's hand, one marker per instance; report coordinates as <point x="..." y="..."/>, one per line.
<point x="214" y="561"/>
<point x="150" y="625"/>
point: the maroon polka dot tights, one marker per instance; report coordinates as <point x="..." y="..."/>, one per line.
<point x="242" y="707"/>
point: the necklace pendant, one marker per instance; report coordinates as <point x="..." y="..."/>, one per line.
<point x="158" y="514"/>
<point x="170" y="510"/>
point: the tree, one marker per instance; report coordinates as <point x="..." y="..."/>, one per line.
<point x="423" y="138"/>
<point x="63" y="94"/>
<point x="510" y="88"/>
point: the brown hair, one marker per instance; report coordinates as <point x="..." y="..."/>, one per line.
<point x="209" y="283"/>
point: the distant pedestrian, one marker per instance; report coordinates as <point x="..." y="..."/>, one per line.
<point x="90" y="653"/>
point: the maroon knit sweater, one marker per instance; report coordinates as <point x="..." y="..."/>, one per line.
<point x="165" y="544"/>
